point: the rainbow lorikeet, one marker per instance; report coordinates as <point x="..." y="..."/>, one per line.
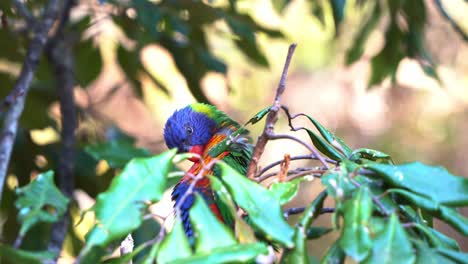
<point x="198" y="128"/>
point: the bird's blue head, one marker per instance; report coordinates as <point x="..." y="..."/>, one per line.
<point x="189" y="129"/>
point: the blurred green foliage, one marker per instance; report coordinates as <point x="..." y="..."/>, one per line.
<point x="183" y="29"/>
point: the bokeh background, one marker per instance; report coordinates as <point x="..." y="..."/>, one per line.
<point x="411" y="115"/>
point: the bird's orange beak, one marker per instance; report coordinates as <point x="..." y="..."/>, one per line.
<point x="197" y="149"/>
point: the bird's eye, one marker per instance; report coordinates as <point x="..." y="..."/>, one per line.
<point x="189" y="130"/>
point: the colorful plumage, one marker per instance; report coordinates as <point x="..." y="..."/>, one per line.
<point x="198" y="128"/>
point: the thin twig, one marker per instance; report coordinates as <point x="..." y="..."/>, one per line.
<point x="272" y="117"/>
<point x="294" y="173"/>
<point x="299" y="157"/>
<point x="21" y="88"/>
<point x="308" y="146"/>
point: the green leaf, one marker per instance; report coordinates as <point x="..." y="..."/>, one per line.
<point x="285" y="191"/>
<point x="88" y="62"/>
<point x="338" y="185"/>
<point x="22" y="256"/>
<point x="448" y="242"/>
<point x="435" y="183"/>
<point x="392" y="245"/>
<point x="335" y="141"/>
<point x="210" y="233"/>
<point x="338" y="8"/>
<point x="247" y="42"/>
<point x="426" y="255"/>
<point x="386" y="62"/>
<point x="355" y="239"/>
<point x="259" y="116"/>
<point x="262" y="206"/>
<point x="323" y="146"/>
<point x="119" y="210"/>
<point x="175" y="245"/>
<point x="459" y="257"/>
<point x="334" y="255"/>
<point x="40" y="201"/>
<point x="226" y="143"/>
<point x="445" y="213"/>
<point x="357" y="48"/>
<point x="240" y="253"/>
<point x="151" y="257"/>
<point x="370" y="154"/>
<point x="314" y="232"/>
<point x="280" y="5"/>
<point x="313" y="210"/>
<point x="299" y="253"/>
<point x="117" y="153"/>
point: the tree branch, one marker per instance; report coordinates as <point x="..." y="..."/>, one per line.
<point x="272" y="117"/>
<point x="60" y="55"/>
<point x="24" y="12"/>
<point x="21" y="88"/>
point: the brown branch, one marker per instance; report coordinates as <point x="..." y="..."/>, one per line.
<point x="272" y="117"/>
<point x="60" y="55"/>
<point x="22" y="85"/>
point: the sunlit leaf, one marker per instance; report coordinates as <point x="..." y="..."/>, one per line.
<point x="263" y="207"/>
<point x="119" y="210"/>
<point x="433" y="182"/>
<point x="285" y="191"/>
<point x="40" y="201"/>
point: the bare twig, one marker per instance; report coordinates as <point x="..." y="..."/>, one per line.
<point x="299" y="157"/>
<point x="295" y="173"/>
<point x="21" y="88"/>
<point x="272" y="117"/>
